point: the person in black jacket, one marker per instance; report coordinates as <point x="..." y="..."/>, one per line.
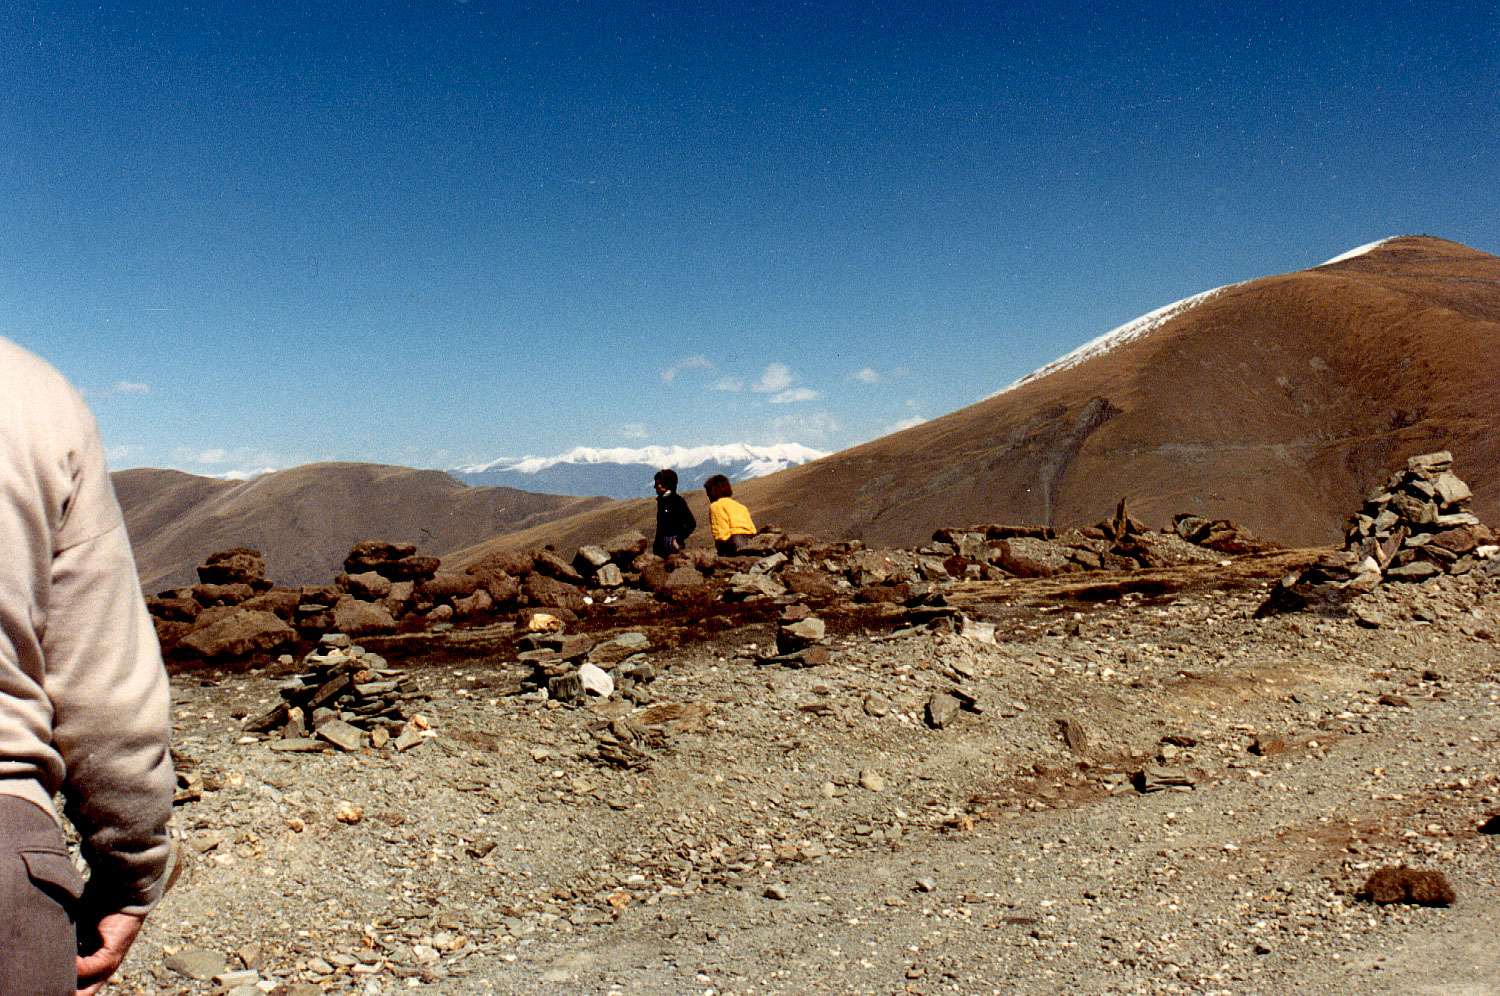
<point x="674" y="520"/>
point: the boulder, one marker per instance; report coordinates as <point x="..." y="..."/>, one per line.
<point x="413" y="568"/>
<point x="282" y="601"/>
<point x="221" y="594"/>
<point x="589" y="559"/>
<point x="549" y="592"/>
<point x="550" y="564"/>
<point x="368" y="586"/>
<point x="176" y="609"/>
<point x="213" y="614"/>
<point x="239" y="633"/>
<point x="1430" y="464"/>
<point x="625" y="547"/>
<point x="799" y="634"/>
<point x="541" y="620"/>
<point x="1027" y="557"/>
<point x="596" y="680"/>
<point x="169" y="632"/>
<point x="646" y="560"/>
<point x="360" y="618"/>
<point x="744" y="586"/>
<point x="372" y="554"/>
<point x="617" y="648"/>
<point x="478" y="603"/>
<point x="883" y="593"/>
<point x="653" y="574"/>
<point x="506" y="562"/>
<point x="448" y="584"/>
<point x="240" y="565"/>
<point x="503" y="588"/>
<point x="321" y="594"/>
<point x="810" y="584"/>
<point x="609" y="576"/>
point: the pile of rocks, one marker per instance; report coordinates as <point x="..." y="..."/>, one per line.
<point x="1419" y="524"/>
<point x="575" y="668"/>
<point x="1121" y="543"/>
<point x="1416" y="527"/>
<point x="387" y="588"/>
<point x="800" y="639"/>
<point x="346" y="697"/>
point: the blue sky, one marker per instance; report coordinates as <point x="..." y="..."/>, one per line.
<point x="258" y="235"/>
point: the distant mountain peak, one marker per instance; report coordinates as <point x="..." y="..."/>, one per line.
<point x="625" y="472"/>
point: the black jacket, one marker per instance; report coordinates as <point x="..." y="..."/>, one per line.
<point x="673" y="517"/>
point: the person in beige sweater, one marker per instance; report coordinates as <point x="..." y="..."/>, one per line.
<point x="83" y="698"/>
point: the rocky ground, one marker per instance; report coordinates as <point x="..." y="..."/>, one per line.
<point x="751" y="828"/>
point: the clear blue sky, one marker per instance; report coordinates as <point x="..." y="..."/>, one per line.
<point x="263" y="234"/>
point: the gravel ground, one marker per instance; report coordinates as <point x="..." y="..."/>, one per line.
<point x="793" y="831"/>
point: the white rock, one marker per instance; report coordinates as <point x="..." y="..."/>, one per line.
<point x="597" y="680"/>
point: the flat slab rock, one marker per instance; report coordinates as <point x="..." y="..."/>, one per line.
<point x="198" y="963"/>
<point x="1158" y="778"/>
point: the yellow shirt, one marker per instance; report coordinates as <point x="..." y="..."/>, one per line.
<point x="729" y="518"/>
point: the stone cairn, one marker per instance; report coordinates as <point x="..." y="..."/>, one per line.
<point x="346" y="697"/>
<point x="1416" y="527"/>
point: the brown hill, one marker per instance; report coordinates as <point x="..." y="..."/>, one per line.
<point x="304" y="520"/>
<point x="1276" y="403"/>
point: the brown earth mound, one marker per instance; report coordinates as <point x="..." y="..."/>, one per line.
<point x="305" y="520"/>
<point x="1276" y="403"/>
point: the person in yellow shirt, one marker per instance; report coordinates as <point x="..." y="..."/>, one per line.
<point x="729" y="519"/>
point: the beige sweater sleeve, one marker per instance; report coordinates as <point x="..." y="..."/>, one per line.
<point x="86" y="708"/>
<point x="111" y="716"/>
<point x="111" y="720"/>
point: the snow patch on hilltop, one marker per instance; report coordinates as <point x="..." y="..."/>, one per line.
<point x="1150" y="322"/>
<point x="1357" y="251"/>
<point x="1131" y="330"/>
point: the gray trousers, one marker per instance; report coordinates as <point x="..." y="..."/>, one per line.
<point x="39" y="889"/>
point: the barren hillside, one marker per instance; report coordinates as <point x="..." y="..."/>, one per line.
<point x="305" y="520"/>
<point x="1276" y="403"/>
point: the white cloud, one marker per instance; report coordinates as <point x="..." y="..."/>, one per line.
<point x="240" y="463"/>
<point x="633" y="430"/>
<point x="728" y="384"/>
<point x="777" y="377"/>
<point x="905" y="423"/>
<point x="119" y="388"/>
<point x="806" y="426"/>
<point x="795" y="394"/>
<point x="866" y="375"/>
<point x="686" y="363"/>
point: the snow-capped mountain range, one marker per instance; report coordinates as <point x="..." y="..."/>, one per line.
<point x="624" y="472"/>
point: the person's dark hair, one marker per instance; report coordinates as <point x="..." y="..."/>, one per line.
<point x="717" y="487"/>
<point x="667" y="478"/>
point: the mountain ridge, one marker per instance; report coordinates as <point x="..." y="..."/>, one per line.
<point x="1275" y="402"/>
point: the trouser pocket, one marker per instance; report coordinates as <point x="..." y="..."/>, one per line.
<point x="39" y="892"/>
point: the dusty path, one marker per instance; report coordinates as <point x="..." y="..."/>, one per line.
<point x="806" y="831"/>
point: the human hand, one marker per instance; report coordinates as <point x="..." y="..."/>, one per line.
<point x="116" y="933"/>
